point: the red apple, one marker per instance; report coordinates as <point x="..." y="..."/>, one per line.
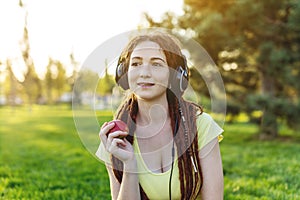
<point x="119" y="126"/>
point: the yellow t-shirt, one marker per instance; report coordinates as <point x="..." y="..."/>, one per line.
<point x="156" y="185"/>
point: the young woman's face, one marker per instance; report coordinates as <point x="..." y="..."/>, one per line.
<point x="148" y="72"/>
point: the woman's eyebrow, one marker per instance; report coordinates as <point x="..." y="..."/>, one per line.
<point x="158" y="58"/>
<point x="137" y="58"/>
<point x="152" y="58"/>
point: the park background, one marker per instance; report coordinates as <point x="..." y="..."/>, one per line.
<point x="255" y="45"/>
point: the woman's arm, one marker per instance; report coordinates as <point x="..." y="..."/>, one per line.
<point x="114" y="184"/>
<point x="123" y="150"/>
<point x="128" y="189"/>
<point x="212" y="171"/>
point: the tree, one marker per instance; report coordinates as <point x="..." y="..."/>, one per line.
<point x="256" y="47"/>
<point x="60" y="78"/>
<point x="85" y="83"/>
<point x="31" y="83"/>
<point x="55" y="80"/>
<point x="71" y="80"/>
<point x="105" y="84"/>
<point x="11" y="85"/>
<point x="49" y="81"/>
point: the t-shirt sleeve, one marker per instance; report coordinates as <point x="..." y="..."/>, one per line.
<point x="208" y="130"/>
<point x="102" y="154"/>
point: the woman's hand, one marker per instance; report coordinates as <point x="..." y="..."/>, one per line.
<point x="120" y="148"/>
<point x="123" y="150"/>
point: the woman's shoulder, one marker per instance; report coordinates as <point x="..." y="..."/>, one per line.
<point x="204" y="119"/>
<point x="208" y="129"/>
<point x="204" y="116"/>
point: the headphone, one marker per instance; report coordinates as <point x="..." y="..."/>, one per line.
<point x="178" y="80"/>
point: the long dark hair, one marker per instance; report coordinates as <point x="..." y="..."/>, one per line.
<point x="187" y="144"/>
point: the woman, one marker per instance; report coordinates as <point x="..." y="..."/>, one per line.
<point x="171" y="150"/>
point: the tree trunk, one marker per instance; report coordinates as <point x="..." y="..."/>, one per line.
<point x="268" y="127"/>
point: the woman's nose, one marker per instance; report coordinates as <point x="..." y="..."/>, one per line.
<point x="145" y="70"/>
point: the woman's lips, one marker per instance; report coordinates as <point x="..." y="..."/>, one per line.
<point x="145" y="85"/>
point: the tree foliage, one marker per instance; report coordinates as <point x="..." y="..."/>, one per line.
<point x="256" y="47"/>
<point x="55" y="80"/>
<point x="105" y="84"/>
<point x="31" y="83"/>
<point x="11" y="85"/>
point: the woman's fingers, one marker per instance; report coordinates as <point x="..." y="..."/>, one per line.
<point x="115" y="135"/>
<point x="116" y="144"/>
<point x="104" y="130"/>
<point x="104" y="124"/>
<point x="121" y="149"/>
<point x="113" y="143"/>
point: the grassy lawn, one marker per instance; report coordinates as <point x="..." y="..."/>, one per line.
<point x="260" y="169"/>
<point x="42" y="157"/>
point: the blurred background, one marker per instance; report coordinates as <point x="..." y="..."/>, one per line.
<point x="43" y="45"/>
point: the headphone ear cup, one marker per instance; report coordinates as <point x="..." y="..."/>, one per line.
<point x="121" y="76"/>
<point x="180" y="79"/>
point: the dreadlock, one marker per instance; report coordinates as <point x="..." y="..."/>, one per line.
<point x="190" y="181"/>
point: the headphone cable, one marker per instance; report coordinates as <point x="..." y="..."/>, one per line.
<point x="172" y="166"/>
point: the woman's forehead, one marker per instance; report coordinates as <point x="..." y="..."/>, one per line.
<point x="147" y="48"/>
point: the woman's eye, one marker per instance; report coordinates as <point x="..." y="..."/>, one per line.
<point x="135" y="64"/>
<point x="156" y="64"/>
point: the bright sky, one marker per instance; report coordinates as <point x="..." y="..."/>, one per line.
<point x="59" y="27"/>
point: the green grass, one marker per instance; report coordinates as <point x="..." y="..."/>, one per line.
<point x="42" y="157"/>
<point x="260" y="169"/>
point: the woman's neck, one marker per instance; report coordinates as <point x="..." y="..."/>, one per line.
<point x="152" y="113"/>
